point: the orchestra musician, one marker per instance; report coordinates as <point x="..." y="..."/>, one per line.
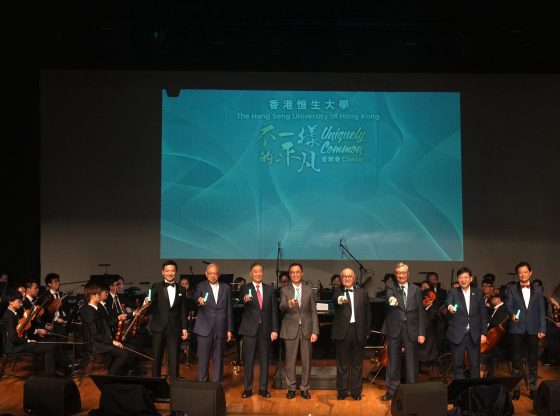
<point x="525" y="305"/>
<point x="404" y="326"/>
<point x="259" y="327"/>
<point x="214" y="323"/>
<point x="467" y="324"/>
<point x="43" y="354"/>
<point x="168" y="320"/>
<point x="39" y="327"/>
<point x="497" y="345"/>
<point x="351" y="328"/>
<point x="97" y="333"/>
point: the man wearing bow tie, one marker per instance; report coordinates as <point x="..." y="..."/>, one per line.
<point x="525" y="305"/>
<point x="404" y="325"/>
<point x="467" y="324"/>
<point x="169" y="320"/>
<point x="214" y="323"/>
<point x="351" y="327"/>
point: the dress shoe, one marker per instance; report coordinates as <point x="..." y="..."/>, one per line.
<point x="532" y="394"/>
<point x="246" y="393"/>
<point x="341" y="395"/>
<point x="265" y="393"/>
<point x="356" y="396"/>
<point x="291" y="394"/>
<point x="386" y="397"/>
<point x="515" y="395"/>
<point x="305" y="394"/>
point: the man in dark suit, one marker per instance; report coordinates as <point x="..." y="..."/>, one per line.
<point x="259" y="326"/>
<point x="441" y="293"/>
<point x="214" y="323"/>
<point x="467" y="324"/>
<point x="404" y="325"/>
<point x="300" y="328"/>
<point x="351" y="328"/>
<point x="97" y="333"/>
<point x="43" y="354"/>
<point x="168" y="320"/>
<point x="525" y="304"/>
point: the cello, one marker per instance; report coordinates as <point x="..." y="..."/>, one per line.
<point x="494" y="336"/>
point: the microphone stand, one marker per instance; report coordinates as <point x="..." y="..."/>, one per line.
<point x="361" y="266"/>
<point x="278" y="257"/>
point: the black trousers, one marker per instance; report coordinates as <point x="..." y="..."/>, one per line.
<point x="349" y="363"/>
<point x="393" y="372"/>
<point x="525" y="345"/>
<point x="458" y="354"/>
<point x="43" y="356"/>
<point x="160" y="341"/>
<point x="250" y="345"/>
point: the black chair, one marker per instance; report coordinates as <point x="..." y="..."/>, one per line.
<point x="12" y="357"/>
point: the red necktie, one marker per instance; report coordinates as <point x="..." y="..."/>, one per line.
<point x="259" y="297"/>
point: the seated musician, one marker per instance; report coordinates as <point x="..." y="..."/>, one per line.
<point x="428" y="351"/>
<point x="43" y="354"/>
<point x="497" y="340"/>
<point x="39" y="326"/>
<point x="189" y="345"/>
<point x="98" y="335"/>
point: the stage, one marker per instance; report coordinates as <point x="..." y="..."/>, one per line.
<point x="323" y="402"/>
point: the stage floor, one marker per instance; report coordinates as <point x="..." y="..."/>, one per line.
<point x="323" y="402"/>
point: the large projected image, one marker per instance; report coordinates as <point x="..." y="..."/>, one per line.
<point x="244" y="172"/>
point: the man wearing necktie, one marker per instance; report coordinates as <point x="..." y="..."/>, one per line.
<point x="300" y="328"/>
<point x="168" y="320"/>
<point x="467" y="324"/>
<point x="351" y="327"/>
<point x="259" y="327"/>
<point x="404" y="326"/>
<point x="525" y="305"/>
<point x="214" y="323"/>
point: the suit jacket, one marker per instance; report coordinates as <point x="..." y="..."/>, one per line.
<point x="414" y="315"/>
<point x="531" y="319"/>
<point x="215" y="315"/>
<point x="252" y="314"/>
<point x="164" y="317"/>
<point x="476" y="318"/>
<point x="13" y="343"/>
<point x="343" y="313"/>
<point x="96" y="331"/>
<point x="306" y="311"/>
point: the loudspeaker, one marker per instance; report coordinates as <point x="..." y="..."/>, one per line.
<point x="547" y="398"/>
<point x="51" y="396"/>
<point x="198" y="398"/>
<point x="421" y="399"/>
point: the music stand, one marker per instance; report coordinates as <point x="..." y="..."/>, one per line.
<point x="157" y="388"/>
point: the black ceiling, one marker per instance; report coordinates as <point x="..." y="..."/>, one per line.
<point x="386" y="36"/>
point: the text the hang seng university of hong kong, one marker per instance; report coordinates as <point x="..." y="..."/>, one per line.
<point x="323" y="136"/>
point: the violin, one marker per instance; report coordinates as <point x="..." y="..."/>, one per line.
<point x="429" y="297"/>
<point x="555" y="310"/>
<point x="120" y="326"/>
<point x="28" y="315"/>
<point x="134" y="324"/>
<point x="55" y="304"/>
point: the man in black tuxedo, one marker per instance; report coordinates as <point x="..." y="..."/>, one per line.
<point x="404" y="325"/>
<point x="351" y="328"/>
<point x="43" y="354"/>
<point x="97" y="333"/>
<point x="259" y="327"/>
<point x="214" y="323"/>
<point x="525" y="305"/>
<point x="467" y="324"/>
<point x="441" y="293"/>
<point x="168" y="320"/>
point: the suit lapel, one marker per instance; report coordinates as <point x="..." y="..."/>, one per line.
<point x="520" y="293"/>
<point x="462" y="300"/>
<point x="165" y="293"/>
